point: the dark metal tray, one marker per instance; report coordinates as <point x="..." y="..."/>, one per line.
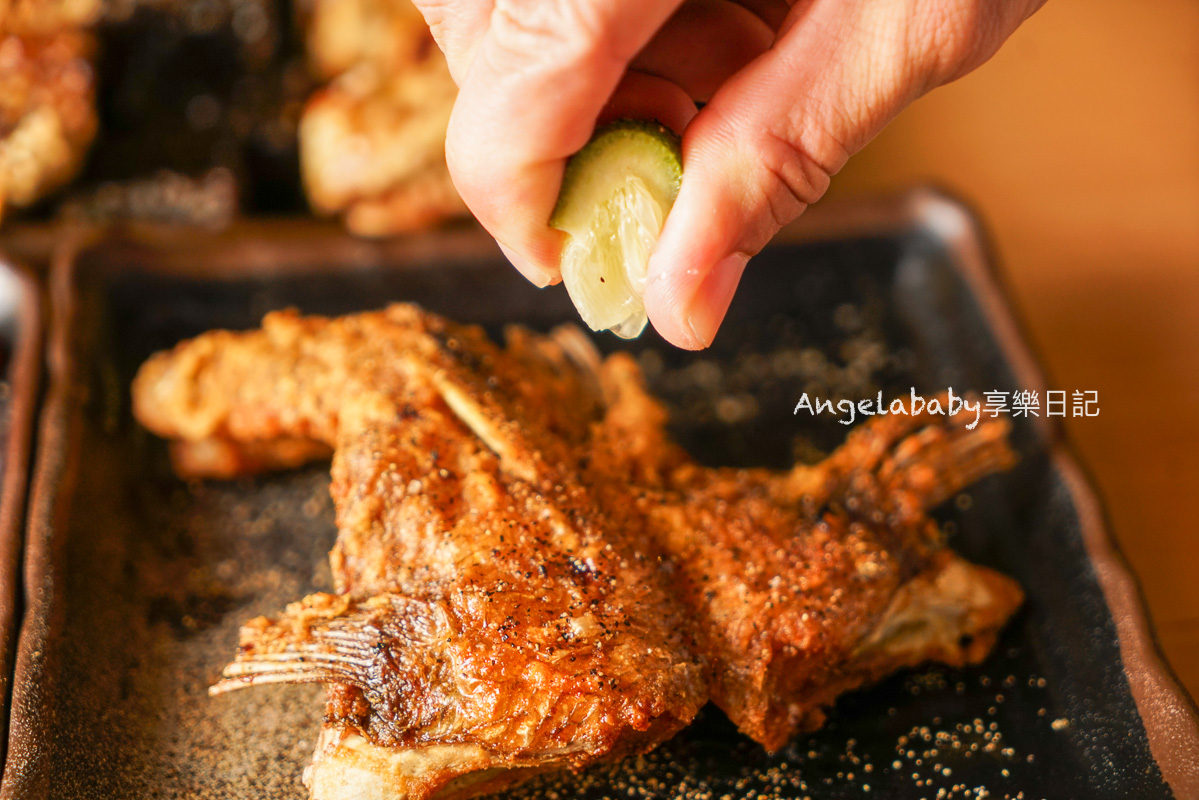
<point x="136" y="582"/>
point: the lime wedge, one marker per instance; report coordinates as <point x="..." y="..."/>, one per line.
<point x="615" y="196"/>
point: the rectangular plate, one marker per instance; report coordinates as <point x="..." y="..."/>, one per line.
<point x="137" y="583"/>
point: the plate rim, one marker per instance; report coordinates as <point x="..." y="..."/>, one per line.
<point x="24" y="382"/>
<point x="1168" y="714"/>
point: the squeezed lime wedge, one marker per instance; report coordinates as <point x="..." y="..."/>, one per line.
<point x="614" y="199"/>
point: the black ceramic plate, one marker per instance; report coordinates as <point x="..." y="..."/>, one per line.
<point x="138" y="582"/>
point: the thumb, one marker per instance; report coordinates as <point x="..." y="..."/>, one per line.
<point x="746" y="173"/>
<point x="767" y="144"/>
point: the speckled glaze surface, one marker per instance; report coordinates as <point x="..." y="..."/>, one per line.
<point x="138" y="582"/>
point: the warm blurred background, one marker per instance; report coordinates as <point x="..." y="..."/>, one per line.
<point x="1078" y="144"/>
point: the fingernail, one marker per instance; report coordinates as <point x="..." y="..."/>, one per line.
<point x="537" y="276"/>
<point x="711" y="302"/>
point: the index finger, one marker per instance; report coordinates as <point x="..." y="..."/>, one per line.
<point x="536" y="83"/>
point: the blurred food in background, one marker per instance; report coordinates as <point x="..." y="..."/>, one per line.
<point x="199" y="101"/>
<point x="207" y="109"/>
<point x="165" y="197"/>
<point x="372" y="142"/>
<point x="47" y="115"/>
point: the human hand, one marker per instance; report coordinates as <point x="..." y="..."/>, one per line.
<point x="791" y="91"/>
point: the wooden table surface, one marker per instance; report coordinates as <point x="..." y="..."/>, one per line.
<point x="1079" y="146"/>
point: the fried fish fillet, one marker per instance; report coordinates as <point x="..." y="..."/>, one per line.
<point x="531" y="576"/>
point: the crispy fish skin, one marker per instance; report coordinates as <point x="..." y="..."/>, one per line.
<point x="796" y="582"/>
<point x="488" y="610"/>
<point x="530" y="575"/>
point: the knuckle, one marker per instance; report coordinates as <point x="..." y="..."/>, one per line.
<point x="794" y="179"/>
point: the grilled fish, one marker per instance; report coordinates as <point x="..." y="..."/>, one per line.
<point x="531" y="576"/>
